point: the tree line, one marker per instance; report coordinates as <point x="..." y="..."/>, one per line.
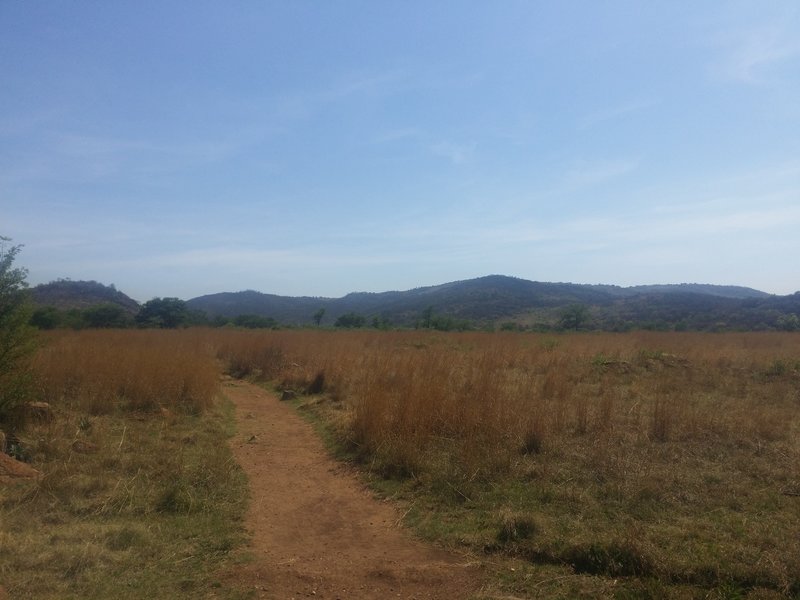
<point x="158" y="313"/>
<point x="170" y="313"/>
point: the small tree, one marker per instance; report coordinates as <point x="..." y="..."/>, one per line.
<point x="380" y="322"/>
<point x="427" y="318"/>
<point x="163" y="313"/>
<point x="350" y="320"/>
<point x="17" y="337"/>
<point x="318" y="316"/>
<point x="574" y="316"/>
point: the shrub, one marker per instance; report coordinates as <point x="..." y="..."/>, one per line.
<point x="163" y="313"/>
<point x="350" y="321"/>
<point x="17" y="340"/>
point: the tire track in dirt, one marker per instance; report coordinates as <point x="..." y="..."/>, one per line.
<point x="316" y="531"/>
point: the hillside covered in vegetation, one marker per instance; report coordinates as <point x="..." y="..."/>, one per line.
<point x="510" y="302"/>
<point x="492" y="302"/>
<point x="65" y="294"/>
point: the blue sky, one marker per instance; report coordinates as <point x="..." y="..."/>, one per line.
<point x="319" y="148"/>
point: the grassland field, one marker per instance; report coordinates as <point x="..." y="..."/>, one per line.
<point x="662" y="465"/>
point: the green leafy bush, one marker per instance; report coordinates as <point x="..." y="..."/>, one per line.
<point x="17" y="340"/>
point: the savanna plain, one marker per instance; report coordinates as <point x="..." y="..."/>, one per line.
<point x="636" y="465"/>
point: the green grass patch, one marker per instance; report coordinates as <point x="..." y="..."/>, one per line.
<point x="130" y="506"/>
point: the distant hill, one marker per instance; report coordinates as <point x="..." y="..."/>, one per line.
<point x="485" y="298"/>
<point x="66" y="294"/>
<point x="498" y="298"/>
<point x="492" y="300"/>
<point x="286" y="309"/>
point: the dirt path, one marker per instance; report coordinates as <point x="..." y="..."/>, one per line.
<point x="316" y="531"/>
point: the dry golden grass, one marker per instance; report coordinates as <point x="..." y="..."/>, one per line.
<point x="510" y="393"/>
<point x="666" y="457"/>
<point x="609" y="465"/>
<point x="100" y="371"/>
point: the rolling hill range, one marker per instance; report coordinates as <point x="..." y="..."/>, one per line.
<point x="498" y="298"/>
<point x="493" y="300"/>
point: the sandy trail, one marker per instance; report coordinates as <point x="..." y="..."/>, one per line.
<point x="316" y="531"/>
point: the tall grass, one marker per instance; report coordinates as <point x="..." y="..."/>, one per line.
<point x="670" y="457"/>
<point x="480" y="399"/>
<point x="484" y="399"/>
<point x="674" y="457"/>
<point x="99" y="371"/>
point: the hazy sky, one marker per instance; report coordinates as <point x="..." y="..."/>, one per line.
<point x="318" y="148"/>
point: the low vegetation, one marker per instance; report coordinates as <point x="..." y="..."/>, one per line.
<point x="607" y="465"/>
<point x="99" y="371"/>
<point x="17" y="341"/>
<point x="139" y="495"/>
<point x="595" y="465"/>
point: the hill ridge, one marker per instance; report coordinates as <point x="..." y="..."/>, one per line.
<point x="485" y="299"/>
<point x="66" y="294"/>
<point x="491" y="300"/>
